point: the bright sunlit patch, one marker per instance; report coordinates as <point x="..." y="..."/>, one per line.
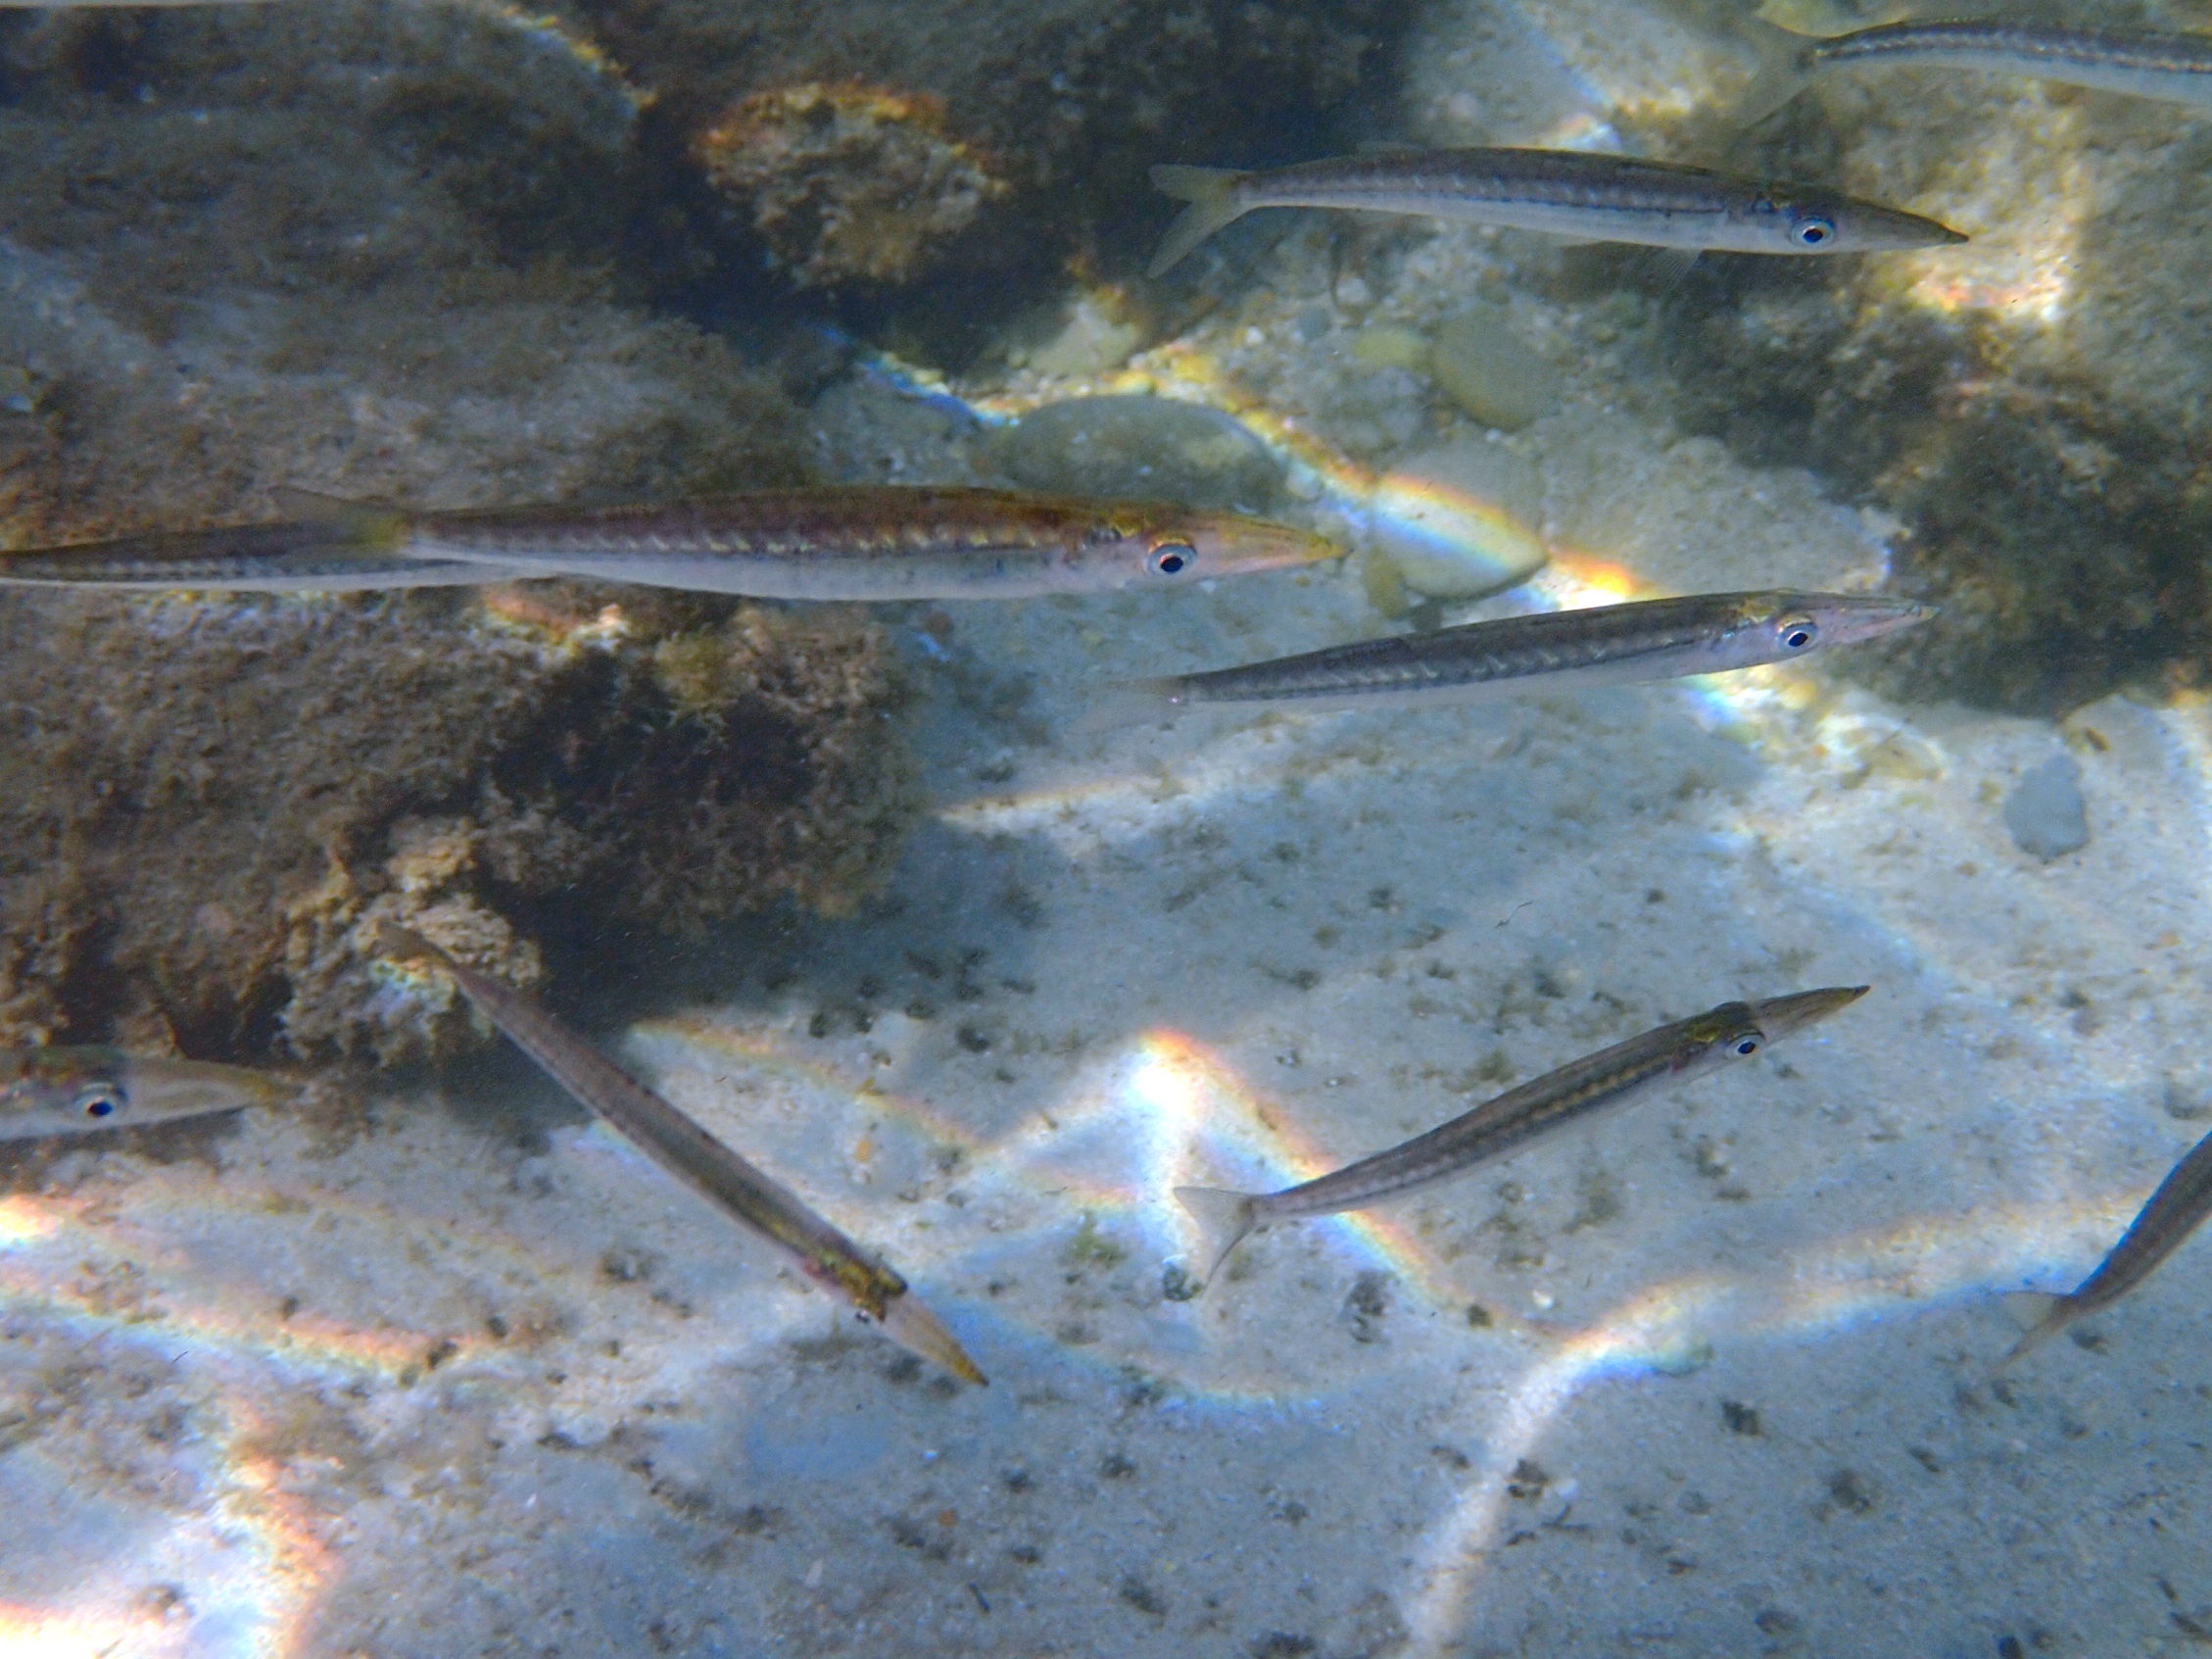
<point x="27" y="1221"/>
<point x="43" y="1632"/>
<point x="1447" y="540"/>
<point x="2024" y="195"/>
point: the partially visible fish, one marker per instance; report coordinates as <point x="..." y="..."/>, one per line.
<point x="1655" y="638"/>
<point x="2176" y="68"/>
<point x="2160" y="1228"/>
<point x="321" y="556"/>
<point x="76" y="1091"/>
<point x="1592" y="198"/>
<point x="863" y="543"/>
<point x="701" y="1162"/>
<point x="1670" y="1055"/>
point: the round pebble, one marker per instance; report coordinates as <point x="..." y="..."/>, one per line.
<point x="2045" y="812"/>
<point x="1457" y="520"/>
<point x="1483" y="366"/>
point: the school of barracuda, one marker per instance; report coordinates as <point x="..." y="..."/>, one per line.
<point x="882" y="544"/>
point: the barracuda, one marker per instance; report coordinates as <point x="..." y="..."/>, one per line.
<point x="701" y="1162"/>
<point x="863" y="543"/>
<point x="1592" y="198"/>
<point x="1675" y="1053"/>
<point x="1605" y="644"/>
<point x="2176" y="68"/>
<point x="2163" y="1225"/>
<point x="61" y="1091"/>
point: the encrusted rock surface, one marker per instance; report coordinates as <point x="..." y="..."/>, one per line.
<point x="209" y="804"/>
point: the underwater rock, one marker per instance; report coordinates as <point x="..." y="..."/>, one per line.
<point x="847" y="183"/>
<point x="211" y="805"/>
<point x="365" y="249"/>
<point x="1456" y="522"/>
<point x="1483" y="366"/>
<point x="1067" y="102"/>
<point x="2045" y="812"/>
<point x="1139" y="448"/>
<point x="372" y="249"/>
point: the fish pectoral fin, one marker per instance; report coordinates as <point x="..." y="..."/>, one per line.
<point x="1133" y="702"/>
<point x="1211" y="192"/>
<point x="1667" y="268"/>
<point x="1224" y="1219"/>
<point x="2030" y="1309"/>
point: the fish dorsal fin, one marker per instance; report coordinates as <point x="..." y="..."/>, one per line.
<point x="318" y="508"/>
<point x="1388" y="147"/>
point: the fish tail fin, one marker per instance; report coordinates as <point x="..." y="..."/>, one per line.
<point x="371" y="523"/>
<point x="1224" y="1219"/>
<point x="1211" y="192"/>
<point x="1133" y="702"/>
<point x="2042" y="1314"/>
<point x="1785" y="67"/>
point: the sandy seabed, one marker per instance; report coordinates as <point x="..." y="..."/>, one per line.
<point x="1714" y="1375"/>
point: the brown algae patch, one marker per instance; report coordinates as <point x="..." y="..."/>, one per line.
<point x="209" y="806"/>
<point x="850" y="183"/>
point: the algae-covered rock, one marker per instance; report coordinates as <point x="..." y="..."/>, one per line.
<point x="1064" y="103"/>
<point x="848" y="183"/>
<point x="206" y="806"/>
<point x="364" y="248"/>
<point x="1141" y="448"/>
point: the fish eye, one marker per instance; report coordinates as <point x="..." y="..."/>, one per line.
<point x="1812" y="231"/>
<point x="1796" y="633"/>
<point x="1172" y="559"/>
<point x="1746" y="1045"/>
<point x="99" y="1102"/>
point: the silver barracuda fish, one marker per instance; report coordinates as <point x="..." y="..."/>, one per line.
<point x="1675" y="1053"/>
<point x="1656" y="639"/>
<point x="77" y="1091"/>
<point x="2175" y="67"/>
<point x="1592" y="198"/>
<point x="2163" y="1225"/>
<point x="701" y="1162"/>
<point x="859" y="543"/>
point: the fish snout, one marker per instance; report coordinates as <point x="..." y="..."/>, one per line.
<point x="1230" y="545"/>
<point x="1871" y="617"/>
<point x="1778" y="1017"/>
<point x="1889" y="231"/>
